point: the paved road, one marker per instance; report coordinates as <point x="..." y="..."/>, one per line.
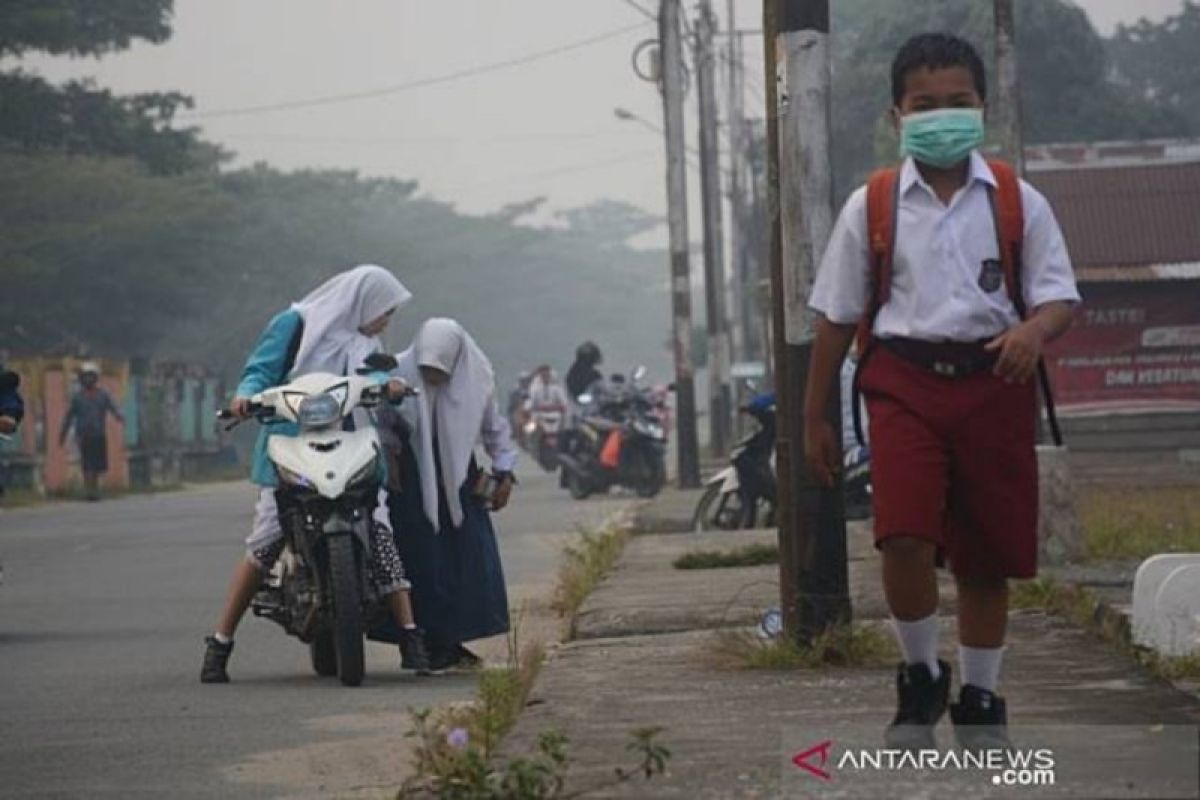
<point x="101" y="619"/>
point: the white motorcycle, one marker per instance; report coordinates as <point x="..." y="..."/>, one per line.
<point x="542" y="432"/>
<point x="329" y="476"/>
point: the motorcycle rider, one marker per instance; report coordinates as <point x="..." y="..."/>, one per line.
<point x="333" y="329"/>
<point x="12" y="407"/>
<point x="584" y="373"/>
<point x="546" y="392"/>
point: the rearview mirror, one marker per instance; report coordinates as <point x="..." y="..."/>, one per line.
<point x="378" y="362"/>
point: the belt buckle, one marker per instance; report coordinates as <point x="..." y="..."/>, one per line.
<point x="945" y="369"/>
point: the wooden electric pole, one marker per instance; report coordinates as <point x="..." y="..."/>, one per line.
<point x="671" y="48"/>
<point x="812" y="532"/>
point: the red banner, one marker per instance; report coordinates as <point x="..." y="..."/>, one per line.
<point x="1134" y="347"/>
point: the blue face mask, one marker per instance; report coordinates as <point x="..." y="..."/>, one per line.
<point x="943" y="137"/>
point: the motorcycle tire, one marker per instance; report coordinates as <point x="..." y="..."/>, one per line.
<point x="347" y="610"/>
<point x="655" y="478"/>
<point x="700" y="520"/>
<point x="577" y="486"/>
<point x="547" y="458"/>
<point x="323" y="653"/>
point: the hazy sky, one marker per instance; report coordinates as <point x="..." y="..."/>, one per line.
<point x="546" y="127"/>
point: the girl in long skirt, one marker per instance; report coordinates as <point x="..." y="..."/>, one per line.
<point x="441" y="513"/>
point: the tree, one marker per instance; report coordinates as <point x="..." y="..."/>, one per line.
<point x="1157" y="62"/>
<point x="81" y="27"/>
<point x="80" y="118"/>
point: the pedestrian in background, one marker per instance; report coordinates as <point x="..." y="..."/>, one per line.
<point x="87" y="414"/>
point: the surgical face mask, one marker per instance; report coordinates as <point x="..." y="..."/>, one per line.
<point x="943" y="137"/>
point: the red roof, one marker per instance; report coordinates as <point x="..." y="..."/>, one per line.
<point x="1126" y="216"/>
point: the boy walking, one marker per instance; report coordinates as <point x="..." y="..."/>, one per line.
<point x="953" y="315"/>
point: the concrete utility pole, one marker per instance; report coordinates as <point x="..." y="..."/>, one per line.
<point x="813" y="569"/>
<point x="671" y="48"/>
<point x="719" y="391"/>
<point x="1006" y="110"/>
<point x="744" y="289"/>
<point x="1060" y="534"/>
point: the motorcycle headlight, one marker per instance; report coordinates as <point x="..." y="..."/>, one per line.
<point x="292" y="478"/>
<point x="650" y="429"/>
<point x="319" y="411"/>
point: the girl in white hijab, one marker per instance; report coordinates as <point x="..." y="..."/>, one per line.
<point x="443" y="527"/>
<point x="333" y="329"/>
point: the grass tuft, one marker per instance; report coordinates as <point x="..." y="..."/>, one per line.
<point x="586" y="564"/>
<point x="855" y="645"/>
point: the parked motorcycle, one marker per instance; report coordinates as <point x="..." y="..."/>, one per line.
<point x="743" y="495"/>
<point x="620" y="441"/>
<point x="320" y="591"/>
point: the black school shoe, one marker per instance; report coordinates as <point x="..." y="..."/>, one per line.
<point x="921" y="702"/>
<point x="216" y="656"/>
<point x="980" y="720"/>
<point x="412" y="651"/>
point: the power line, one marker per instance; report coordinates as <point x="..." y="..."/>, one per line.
<point x="645" y="12"/>
<point x="409" y="85"/>
<point x="568" y="169"/>
<point x="290" y="138"/>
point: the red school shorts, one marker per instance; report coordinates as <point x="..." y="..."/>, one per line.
<point x="953" y="461"/>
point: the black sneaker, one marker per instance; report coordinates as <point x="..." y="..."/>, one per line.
<point x="467" y="659"/>
<point x="921" y="703"/>
<point x="412" y="651"/>
<point x="216" y="656"/>
<point x="980" y="720"/>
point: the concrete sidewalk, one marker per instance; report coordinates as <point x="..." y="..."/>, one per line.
<point x="642" y="657"/>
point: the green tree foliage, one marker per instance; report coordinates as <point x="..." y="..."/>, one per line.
<point x="81" y="27"/>
<point x="112" y="259"/>
<point x="1068" y="92"/>
<point x="1158" y="62"/>
<point x="80" y="118"/>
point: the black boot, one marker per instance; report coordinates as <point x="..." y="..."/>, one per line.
<point x="412" y="651"/>
<point x="980" y="720"/>
<point x="216" y="656"/>
<point x="921" y="702"/>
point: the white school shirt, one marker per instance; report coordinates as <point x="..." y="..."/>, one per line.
<point x="939" y="257"/>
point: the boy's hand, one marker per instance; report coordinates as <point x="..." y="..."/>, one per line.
<point x="822" y="451"/>
<point x="8" y="425"/>
<point x="1020" y="348"/>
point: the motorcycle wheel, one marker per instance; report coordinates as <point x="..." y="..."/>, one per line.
<point x="576" y="485"/>
<point x="347" y="610"/>
<point x="654" y="477"/>
<point x="547" y="458"/>
<point x="323" y="653"/>
<point x="700" y="520"/>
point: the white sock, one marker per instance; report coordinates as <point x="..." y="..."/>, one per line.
<point x="980" y="666"/>
<point x="222" y="638"/>
<point x="918" y="642"/>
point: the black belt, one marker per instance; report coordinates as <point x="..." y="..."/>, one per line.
<point x="947" y="359"/>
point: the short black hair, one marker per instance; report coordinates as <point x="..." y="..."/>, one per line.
<point x="936" y="51"/>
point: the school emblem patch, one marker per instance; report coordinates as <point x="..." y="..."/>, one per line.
<point x="991" y="276"/>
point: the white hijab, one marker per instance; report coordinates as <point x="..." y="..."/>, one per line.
<point x="333" y="314"/>
<point x="456" y="408"/>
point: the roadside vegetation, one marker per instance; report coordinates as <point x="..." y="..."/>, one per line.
<point x="751" y="555"/>
<point x="848" y="645"/>
<point x="1138" y="522"/>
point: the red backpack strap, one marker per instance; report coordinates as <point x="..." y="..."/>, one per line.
<point x="883" y="204"/>
<point x="1010" y="229"/>
<point x="883" y="208"/>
